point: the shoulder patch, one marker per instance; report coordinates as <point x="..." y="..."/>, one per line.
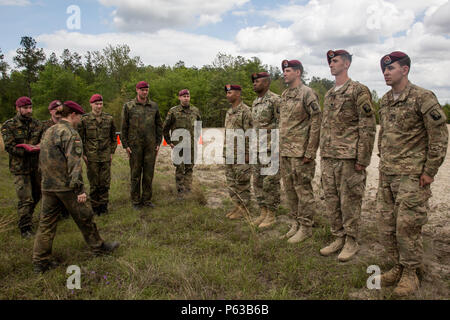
<point x="435" y="115"/>
<point x="367" y="109"/>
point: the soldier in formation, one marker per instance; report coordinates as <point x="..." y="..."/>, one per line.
<point x="412" y="146"/>
<point x="62" y="186"/>
<point x="300" y="118"/>
<point x="346" y="142"/>
<point x="98" y="134"/>
<point x="21" y="136"/>
<point x="141" y="136"/>
<point x="184" y="117"/>
<point x="265" y="115"/>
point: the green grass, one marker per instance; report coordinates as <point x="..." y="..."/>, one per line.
<point x="176" y="251"/>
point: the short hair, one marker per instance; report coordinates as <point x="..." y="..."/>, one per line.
<point x="299" y="67"/>
<point x="406" y="61"/>
<point x="347" y="56"/>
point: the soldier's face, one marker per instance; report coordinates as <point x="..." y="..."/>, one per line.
<point x="338" y="65"/>
<point x="261" y="84"/>
<point x="394" y="73"/>
<point x="142" y="93"/>
<point x="290" y="75"/>
<point x="233" y="95"/>
<point x="55" y="117"/>
<point x="25" y="111"/>
<point x="185" y="99"/>
<point x="97" y="107"/>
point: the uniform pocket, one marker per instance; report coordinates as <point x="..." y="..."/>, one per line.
<point x="357" y="182"/>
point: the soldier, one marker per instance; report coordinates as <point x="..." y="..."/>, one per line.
<point x="182" y="116"/>
<point x="21" y="136"/>
<point x="239" y="116"/>
<point x="141" y="137"/>
<point x="300" y="117"/>
<point x="54" y="118"/>
<point x="265" y="115"/>
<point x="346" y="143"/>
<point x="98" y="134"/>
<point x="412" y="143"/>
<point x="62" y="186"/>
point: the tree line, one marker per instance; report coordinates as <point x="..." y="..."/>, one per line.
<point x="113" y="73"/>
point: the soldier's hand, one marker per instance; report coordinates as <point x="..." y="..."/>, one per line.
<point x="359" y="167"/>
<point x="82" y="198"/>
<point x="111" y="157"/>
<point x="247" y="158"/>
<point x="157" y="148"/>
<point x="129" y="152"/>
<point x="85" y="159"/>
<point x="172" y="145"/>
<point x="306" y="160"/>
<point x="425" y="180"/>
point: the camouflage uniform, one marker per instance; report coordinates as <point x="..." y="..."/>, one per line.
<point x="299" y="138"/>
<point x="24" y="165"/>
<point x="99" y="143"/>
<point x="62" y="181"/>
<point x="142" y="133"/>
<point x="180" y="117"/>
<point x="347" y="138"/>
<point x="266" y="114"/>
<point x="238" y="175"/>
<point x="413" y="140"/>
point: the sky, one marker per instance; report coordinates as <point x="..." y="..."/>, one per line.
<point x="194" y="31"/>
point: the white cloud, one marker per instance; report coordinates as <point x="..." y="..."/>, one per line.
<point x="437" y="20"/>
<point x="18" y="3"/>
<point x="151" y="15"/>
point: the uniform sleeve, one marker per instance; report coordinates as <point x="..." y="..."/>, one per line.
<point x="158" y="128"/>
<point x="277" y="108"/>
<point x="124" y="127"/>
<point x="366" y="126"/>
<point x="82" y="132"/>
<point x="10" y="142"/>
<point x="435" y="122"/>
<point x="73" y="150"/>
<point x="113" y="137"/>
<point x="247" y="123"/>
<point x="313" y="109"/>
<point x="168" y="122"/>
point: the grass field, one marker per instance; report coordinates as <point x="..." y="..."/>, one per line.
<point x="179" y="250"/>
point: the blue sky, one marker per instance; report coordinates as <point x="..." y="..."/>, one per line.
<point x="194" y="31"/>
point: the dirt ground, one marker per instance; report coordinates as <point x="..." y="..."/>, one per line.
<point x="436" y="233"/>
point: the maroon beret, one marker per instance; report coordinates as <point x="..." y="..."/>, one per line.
<point x="260" y="75"/>
<point x="142" y="85"/>
<point x="230" y="87"/>
<point x="291" y="64"/>
<point x="96" y="97"/>
<point x="23" y="101"/>
<point x="75" y="107"/>
<point x="391" y="58"/>
<point x="331" y="54"/>
<point x="54" y="104"/>
<point x="183" y="92"/>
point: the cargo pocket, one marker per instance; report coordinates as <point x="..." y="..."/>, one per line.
<point x="356" y="183"/>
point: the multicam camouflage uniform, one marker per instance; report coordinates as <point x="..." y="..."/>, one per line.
<point x="99" y="142"/>
<point x="24" y="165"/>
<point x="347" y="138"/>
<point x="299" y="138"/>
<point x="180" y="117"/>
<point x="266" y="114"/>
<point x="413" y="140"/>
<point x="238" y="175"/>
<point x="142" y="133"/>
<point x="62" y="181"/>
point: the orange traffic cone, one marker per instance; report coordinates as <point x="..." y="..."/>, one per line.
<point x="118" y="140"/>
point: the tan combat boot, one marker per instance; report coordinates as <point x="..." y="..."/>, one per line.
<point x="351" y="247"/>
<point x="302" y="234"/>
<point x="335" y="246"/>
<point x="408" y="284"/>
<point x="292" y="231"/>
<point x="261" y="217"/>
<point x="392" y="276"/>
<point x="238" y="213"/>
<point x="268" y="220"/>
<point x="231" y="212"/>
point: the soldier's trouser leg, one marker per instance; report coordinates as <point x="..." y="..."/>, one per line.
<point x="179" y="177"/>
<point x="402" y="227"/>
<point x="52" y="203"/>
<point x="267" y="188"/>
<point x="93" y="169"/>
<point x="147" y="174"/>
<point x="238" y="183"/>
<point x="28" y="193"/>
<point x="104" y="182"/>
<point x="297" y="179"/>
<point x="188" y="173"/>
<point x="136" y="168"/>
<point x="343" y="190"/>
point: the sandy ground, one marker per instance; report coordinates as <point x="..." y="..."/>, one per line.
<point x="436" y="233"/>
